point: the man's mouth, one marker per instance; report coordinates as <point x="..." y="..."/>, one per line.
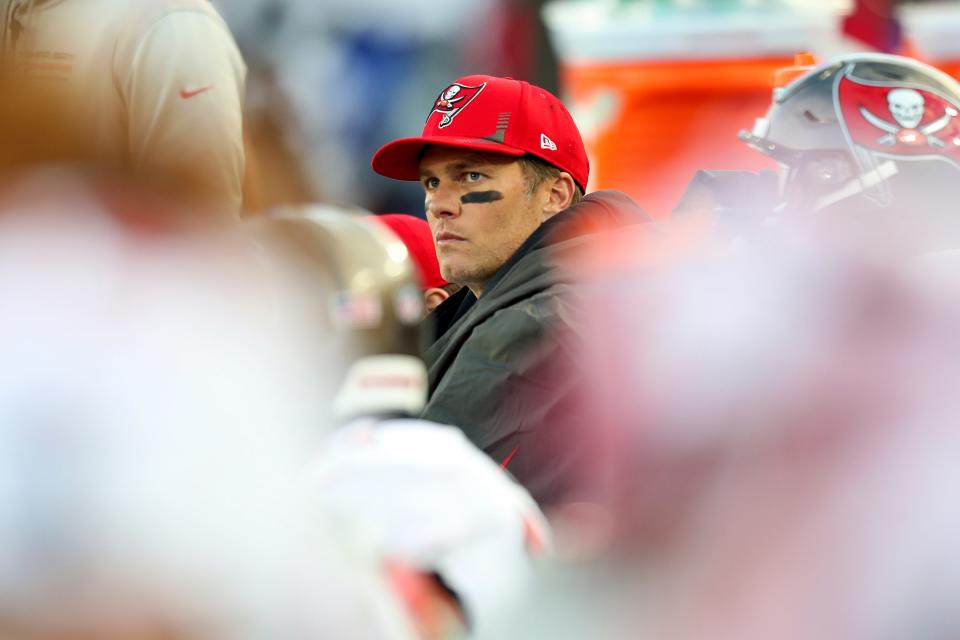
<point x="445" y="237"/>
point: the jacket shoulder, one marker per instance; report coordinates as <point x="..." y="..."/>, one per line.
<point x="515" y="327"/>
<point x="495" y="383"/>
<point x="134" y="20"/>
<point x="136" y="15"/>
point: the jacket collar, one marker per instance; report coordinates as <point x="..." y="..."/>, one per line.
<point x="598" y="211"/>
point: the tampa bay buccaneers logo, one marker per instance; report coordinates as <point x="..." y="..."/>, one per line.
<point x="900" y="120"/>
<point x="453" y="100"/>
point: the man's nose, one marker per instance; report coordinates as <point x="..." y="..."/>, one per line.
<point x="443" y="202"/>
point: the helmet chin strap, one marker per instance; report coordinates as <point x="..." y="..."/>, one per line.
<point x="862" y="183"/>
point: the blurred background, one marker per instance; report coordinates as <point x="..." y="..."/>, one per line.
<point x="659" y="88"/>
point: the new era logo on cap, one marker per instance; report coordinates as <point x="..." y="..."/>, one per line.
<point x="494" y="115"/>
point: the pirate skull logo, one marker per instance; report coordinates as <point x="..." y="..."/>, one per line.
<point x="908" y="107"/>
<point x="453" y="100"/>
<point x="449" y="97"/>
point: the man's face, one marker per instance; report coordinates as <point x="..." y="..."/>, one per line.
<point x="479" y="211"/>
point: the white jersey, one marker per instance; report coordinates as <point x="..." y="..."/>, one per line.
<point x="423" y="494"/>
<point x="157" y="83"/>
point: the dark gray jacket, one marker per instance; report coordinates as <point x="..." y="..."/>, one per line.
<point x="505" y="368"/>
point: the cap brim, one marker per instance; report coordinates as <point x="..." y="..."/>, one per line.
<point x="400" y="159"/>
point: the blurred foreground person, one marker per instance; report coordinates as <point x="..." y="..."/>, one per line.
<point x="504" y="170"/>
<point x="785" y="422"/>
<point x="867" y="144"/>
<point x="155" y="415"/>
<point x="439" y="511"/>
<point x="155" y="84"/>
<point x="416" y="235"/>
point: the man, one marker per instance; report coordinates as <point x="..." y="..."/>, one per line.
<point x="504" y="168"/>
<point x="156" y="85"/>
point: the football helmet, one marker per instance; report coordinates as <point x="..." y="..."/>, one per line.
<point x="356" y="288"/>
<point x="866" y="133"/>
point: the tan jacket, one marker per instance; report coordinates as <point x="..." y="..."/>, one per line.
<point x="156" y="83"/>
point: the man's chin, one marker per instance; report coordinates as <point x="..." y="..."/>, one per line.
<point x="454" y="275"/>
<point x="467" y="275"/>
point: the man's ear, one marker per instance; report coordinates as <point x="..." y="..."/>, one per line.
<point x="559" y="196"/>
<point x="433" y="297"/>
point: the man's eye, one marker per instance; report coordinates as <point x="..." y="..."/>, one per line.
<point x="473" y="176"/>
<point x="431" y="183"/>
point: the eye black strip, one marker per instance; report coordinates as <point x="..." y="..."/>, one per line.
<point x="481" y="197"/>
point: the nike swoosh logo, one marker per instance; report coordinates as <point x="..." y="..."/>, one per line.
<point x="186" y="95"/>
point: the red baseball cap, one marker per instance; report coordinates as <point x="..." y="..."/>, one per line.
<point x="497" y="115"/>
<point x="416" y="234"/>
